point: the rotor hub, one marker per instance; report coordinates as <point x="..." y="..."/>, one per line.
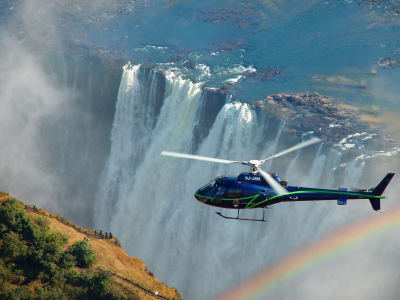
<point x="254" y="162"/>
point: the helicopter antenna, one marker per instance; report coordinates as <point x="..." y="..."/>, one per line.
<point x="253" y="164"/>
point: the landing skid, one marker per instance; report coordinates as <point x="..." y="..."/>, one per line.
<point x="243" y="219"/>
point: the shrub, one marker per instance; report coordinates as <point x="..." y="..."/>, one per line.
<point x="12" y="246"/>
<point x="67" y="260"/>
<point x="42" y="222"/>
<point x="13" y="217"/>
<point x="29" y="251"/>
<point x="5" y="274"/>
<point x="83" y="253"/>
<point x="99" y="286"/>
<point x="73" y="277"/>
<point x="15" y="293"/>
<point x="50" y="292"/>
<point x="52" y="246"/>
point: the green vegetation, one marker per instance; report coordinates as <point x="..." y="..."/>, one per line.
<point x="33" y="264"/>
<point x="82" y="253"/>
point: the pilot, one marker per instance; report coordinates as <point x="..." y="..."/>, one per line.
<point x="276" y="177"/>
<point x="281" y="181"/>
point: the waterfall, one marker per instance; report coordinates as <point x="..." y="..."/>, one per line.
<point x="147" y="201"/>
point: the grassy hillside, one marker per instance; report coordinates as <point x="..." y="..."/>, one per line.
<point x="44" y="256"/>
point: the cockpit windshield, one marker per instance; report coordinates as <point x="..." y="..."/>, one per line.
<point x="208" y="187"/>
<point x="213" y="186"/>
<point x="221" y="188"/>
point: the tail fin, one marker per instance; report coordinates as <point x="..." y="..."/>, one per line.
<point x="378" y="191"/>
<point x="380" y="188"/>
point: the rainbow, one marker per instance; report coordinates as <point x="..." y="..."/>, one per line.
<point x="260" y="283"/>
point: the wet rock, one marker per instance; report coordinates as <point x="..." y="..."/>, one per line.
<point x="389" y="62"/>
<point x="222" y="90"/>
<point x="340" y="126"/>
<point x="229" y="45"/>
<point x="263" y="75"/>
<point x="176" y="58"/>
<point x="243" y="18"/>
<point x="190" y="64"/>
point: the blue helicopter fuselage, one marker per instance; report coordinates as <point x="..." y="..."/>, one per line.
<point x="250" y="190"/>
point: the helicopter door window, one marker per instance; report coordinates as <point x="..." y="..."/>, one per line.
<point x="220" y="191"/>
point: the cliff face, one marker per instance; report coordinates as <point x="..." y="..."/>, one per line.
<point x="76" y="142"/>
<point x="129" y="275"/>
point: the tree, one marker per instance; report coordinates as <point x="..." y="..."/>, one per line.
<point x="12" y="246"/>
<point x="83" y="253"/>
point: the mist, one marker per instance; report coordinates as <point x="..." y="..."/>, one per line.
<point x="56" y="108"/>
<point x="28" y="96"/>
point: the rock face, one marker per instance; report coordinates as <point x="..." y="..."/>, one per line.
<point x="242" y="18"/>
<point x="339" y="125"/>
<point x="264" y="75"/>
<point x="389" y="62"/>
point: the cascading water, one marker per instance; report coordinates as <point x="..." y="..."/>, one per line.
<point x="147" y="200"/>
<point x="61" y="69"/>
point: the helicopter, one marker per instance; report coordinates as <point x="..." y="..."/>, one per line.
<point x="259" y="189"/>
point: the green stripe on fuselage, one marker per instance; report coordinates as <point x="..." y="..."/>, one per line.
<point x="255" y="196"/>
<point x="317" y="191"/>
<point x="252" y="197"/>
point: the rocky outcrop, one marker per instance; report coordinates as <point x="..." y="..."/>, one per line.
<point x="263" y="74"/>
<point x="339" y="125"/>
<point x="242" y="18"/>
<point x="229" y="45"/>
<point x="389" y="62"/>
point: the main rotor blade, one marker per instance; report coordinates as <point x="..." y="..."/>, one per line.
<point x="198" y="157"/>
<point x="279" y="189"/>
<point x="291" y="149"/>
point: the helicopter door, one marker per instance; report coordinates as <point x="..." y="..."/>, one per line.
<point x="234" y="192"/>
